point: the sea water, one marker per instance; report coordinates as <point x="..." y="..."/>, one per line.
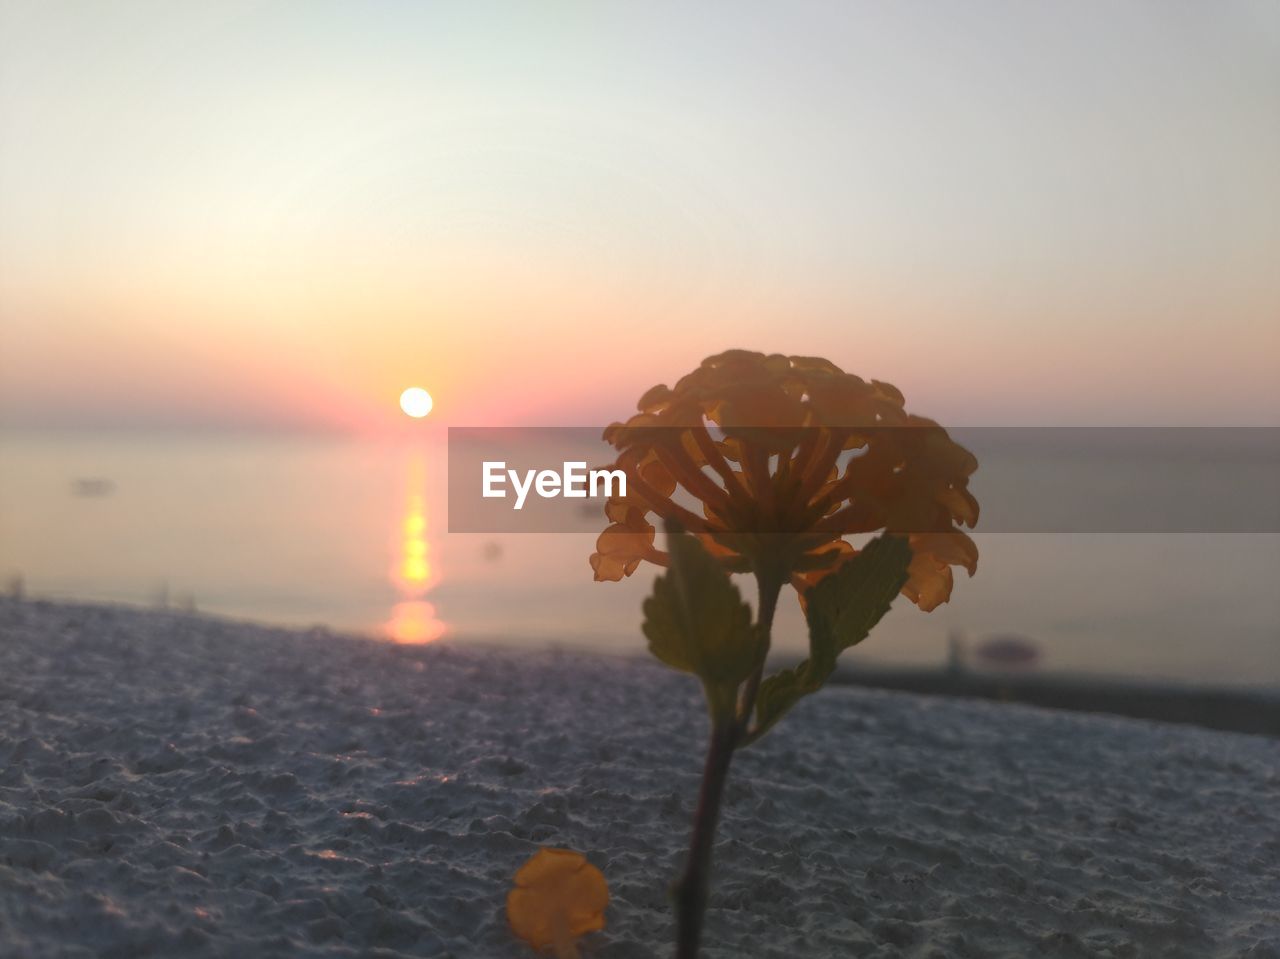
<point x="351" y="533"/>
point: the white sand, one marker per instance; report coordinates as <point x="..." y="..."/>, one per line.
<point x="178" y="786"/>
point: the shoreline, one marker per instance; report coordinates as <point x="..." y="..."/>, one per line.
<point x="1226" y="709"/>
<point x="1253" y="710"/>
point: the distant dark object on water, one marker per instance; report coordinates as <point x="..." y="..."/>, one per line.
<point x="92" y="486"/>
<point x="1008" y="652"/>
<point x="1005" y="651"/>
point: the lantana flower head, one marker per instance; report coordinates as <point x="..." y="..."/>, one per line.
<point x="772" y="461"/>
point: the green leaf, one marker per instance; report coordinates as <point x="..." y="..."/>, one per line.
<point x="844" y="607"/>
<point x="841" y="610"/>
<point x="779" y="693"/>
<point x="696" y="622"/>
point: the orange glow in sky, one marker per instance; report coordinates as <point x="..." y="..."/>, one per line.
<point x="1015" y="215"/>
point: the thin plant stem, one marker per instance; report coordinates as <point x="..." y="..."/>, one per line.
<point x="770" y="586"/>
<point x="693" y="887"/>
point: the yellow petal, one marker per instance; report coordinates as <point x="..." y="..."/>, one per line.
<point x="558" y="896"/>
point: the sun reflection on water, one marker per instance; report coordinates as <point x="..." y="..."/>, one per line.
<point x="415" y="568"/>
<point x="413" y="619"/>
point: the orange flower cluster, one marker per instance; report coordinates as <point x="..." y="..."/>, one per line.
<point x="773" y="460"/>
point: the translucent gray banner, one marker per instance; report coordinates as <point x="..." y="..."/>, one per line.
<point x="1028" y="479"/>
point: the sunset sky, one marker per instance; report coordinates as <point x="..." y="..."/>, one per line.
<point x="273" y="215"/>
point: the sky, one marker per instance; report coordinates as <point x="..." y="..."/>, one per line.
<point x="280" y="215"/>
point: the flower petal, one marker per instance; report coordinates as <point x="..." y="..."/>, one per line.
<point x="558" y="896"/>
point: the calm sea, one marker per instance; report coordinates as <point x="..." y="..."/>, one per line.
<point x="352" y="534"/>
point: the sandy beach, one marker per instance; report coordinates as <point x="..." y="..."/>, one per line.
<point x="174" y="785"/>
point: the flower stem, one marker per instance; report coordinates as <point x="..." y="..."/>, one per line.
<point x="769" y="587"/>
<point x="693" y="886"/>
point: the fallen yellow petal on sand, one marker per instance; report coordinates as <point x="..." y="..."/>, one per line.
<point x="558" y="897"/>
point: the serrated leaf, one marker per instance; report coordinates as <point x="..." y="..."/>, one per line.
<point x="842" y="610"/>
<point x="696" y="622"/>
<point x="779" y="693"/>
<point x="844" y="607"/>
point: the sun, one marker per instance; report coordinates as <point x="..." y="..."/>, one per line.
<point x="416" y="402"/>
